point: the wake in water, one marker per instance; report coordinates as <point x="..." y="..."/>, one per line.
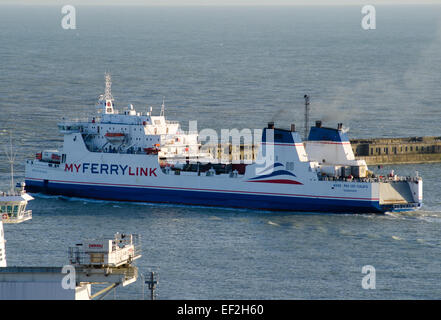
<point x="429" y="216"/>
<point x="120" y="204"/>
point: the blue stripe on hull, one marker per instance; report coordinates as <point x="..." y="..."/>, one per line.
<point x="233" y="200"/>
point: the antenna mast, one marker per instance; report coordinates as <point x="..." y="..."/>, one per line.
<point x="163" y="107"/>
<point x="306" y="116"/>
<point x="108" y="90"/>
<point x="11" y="154"/>
<point x="107" y="99"/>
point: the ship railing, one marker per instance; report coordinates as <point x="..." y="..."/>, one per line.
<point x="75" y="120"/>
<point x="370" y="179"/>
<point x="16" y="217"/>
<point x="127" y="151"/>
<point x="79" y="255"/>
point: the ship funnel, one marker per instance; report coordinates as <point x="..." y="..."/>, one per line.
<point x="340" y="126"/>
<point x="318" y="124"/>
<point x="271" y="125"/>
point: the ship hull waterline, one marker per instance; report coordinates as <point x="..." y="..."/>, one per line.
<point x="212" y="199"/>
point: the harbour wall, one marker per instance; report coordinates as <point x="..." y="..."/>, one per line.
<point x="373" y="151"/>
<point x="398" y="150"/>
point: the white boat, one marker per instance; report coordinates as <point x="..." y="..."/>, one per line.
<point x="14" y="201"/>
<point x="13" y="205"/>
<point x="158" y="162"/>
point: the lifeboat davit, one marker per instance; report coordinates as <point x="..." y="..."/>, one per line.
<point x="115" y="137"/>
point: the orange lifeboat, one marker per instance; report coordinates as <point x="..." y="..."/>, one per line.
<point x="115" y="137"/>
<point x="151" y="150"/>
<point x="154" y="150"/>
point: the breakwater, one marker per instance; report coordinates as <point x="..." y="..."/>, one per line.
<point x="373" y="151"/>
<point x="398" y="150"/>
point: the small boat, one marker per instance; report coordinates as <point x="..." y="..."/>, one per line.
<point x="12" y="210"/>
<point x="13" y="205"/>
<point x="13" y="202"/>
<point x="115" y="137"/>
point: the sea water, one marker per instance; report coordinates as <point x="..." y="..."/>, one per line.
<point x="232" y="68"/>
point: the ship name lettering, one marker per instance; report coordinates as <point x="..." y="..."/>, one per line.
<point x="114" y="168"/>
<point x="103" y="168"/>
<point x="124" y="169"/>
<point x="93" y="169"/>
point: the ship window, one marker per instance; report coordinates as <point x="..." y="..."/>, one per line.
<point x="9" y="210"/>
<point x="3" y="209"/>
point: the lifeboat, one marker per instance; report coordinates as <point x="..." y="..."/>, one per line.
<point x="52" y="156"/>
<point x="115" y="137"/>
<point x="153" y="150"/>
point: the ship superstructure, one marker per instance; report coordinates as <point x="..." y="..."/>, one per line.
<point x="131" y="132"/>
<point x="13" y="205"/>
<point x="107" y="158"/>
<point x="12" y="210"/>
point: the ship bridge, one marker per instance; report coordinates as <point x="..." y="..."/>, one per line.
<point x="130" y="131"/>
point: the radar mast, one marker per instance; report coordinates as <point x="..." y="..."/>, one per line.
<point x="107" y="99"/>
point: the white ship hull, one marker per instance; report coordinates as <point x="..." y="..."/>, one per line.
<point x="319" y="175"/>
<point x="129" y="177"/>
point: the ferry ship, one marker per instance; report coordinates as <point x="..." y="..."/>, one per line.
<point x="135" y="156"/>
